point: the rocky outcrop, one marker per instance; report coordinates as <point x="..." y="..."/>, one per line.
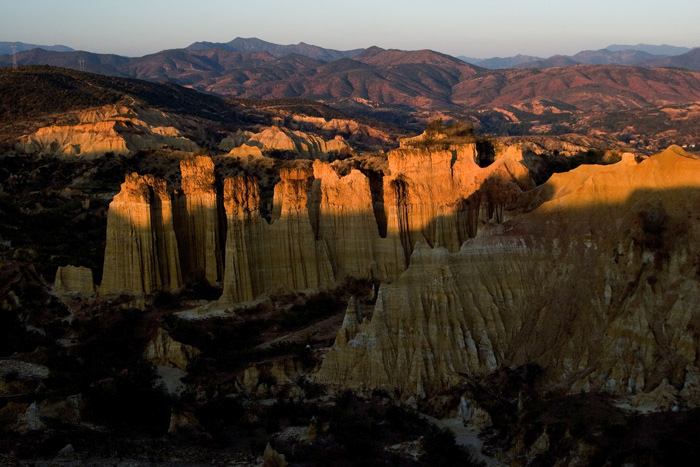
<point x="285" y="254"/>
<point x="282" y="139"/>
<point x="346" y="221"/>
<point x="235" y="140"/>
<point x="88" y="139"/>
<point x="163" y="350"/>
<point x="141" y="253"/>
<point x="598" y="286"/>
<point x="115" y="129"/>
<point x="272" y="458"/>
<point x="326" y="227"/>
<point x="351" y="323"/>
<point x="197" y="221"/>
<point x="19" y="377"/>
<point x="323" y="228"/>
<point x="182" y="421"/>
<point x="357" y="132"/>
<point x="74" y="279"/>
<point x="513" y="152"/>
<point x="244" y="150"/>
<point x="438" y="196"/>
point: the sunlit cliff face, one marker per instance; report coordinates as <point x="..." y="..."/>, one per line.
<point x="578" y="275"/>
<point x="599" y="286"/>
<point x="323" y="227"/>
<point x="108" y="129"/>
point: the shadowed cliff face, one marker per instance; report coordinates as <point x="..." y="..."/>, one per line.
<point x="284" y="254"/>
<point x="325" y="228"/>
<point x="141" y="254"/>
<point x="599" y="286"/>
<point x="197" y="221"/>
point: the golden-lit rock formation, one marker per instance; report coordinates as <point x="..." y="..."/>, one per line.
<point x="357" y="131"/>
<point x="283" y="139"/>
<point x="141" y="253"/>
<point x="197" y="221"/>
<point x="332" y="229"/>
<point x="85" y="139"/>
<point x="513" y="152"/>
<point x="325" y="227"/>
<point x="438" y="196"/>
<point x="599" y="286"/>
<point x="245" y="150"/>
<point x="285" y="254"/>
<point x="116" y="129"/>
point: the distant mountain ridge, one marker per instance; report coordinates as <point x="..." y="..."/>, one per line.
<point x="419" y="79"/>
<point x="616" y="54"/>
<point x="626" y="55"/>
<point x="689" y="61"/>
<point x="253" y="44"/>
<point x="668" y="50"/>
<point x="496" y="63"/>
<point x="6" y="47"/>
<point x="555" y="61"/>
<point x="391" y="79"/>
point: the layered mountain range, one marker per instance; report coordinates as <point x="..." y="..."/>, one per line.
<point x="254" y="68"/>
<point x="597" y="97"/>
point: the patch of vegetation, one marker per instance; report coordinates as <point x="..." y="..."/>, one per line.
<point x="557" y="163"/>
<point x="521" y="410"/>
<point x="318" y="306"/>
<point x="129" y="403"/>
<point x="438" y="136"/>
<point x="15" y="337"/>
<point x="485" y="152"/>
<point x="35" y="90"/>
<point x="350" y="430"/>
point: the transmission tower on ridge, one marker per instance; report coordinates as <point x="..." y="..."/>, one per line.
<point x="81" y="64"/>
<point x="14" y="57"/>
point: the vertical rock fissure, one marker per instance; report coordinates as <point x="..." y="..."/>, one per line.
<point x="400" y="188"/>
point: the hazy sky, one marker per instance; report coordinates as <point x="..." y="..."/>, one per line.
<point x="473" y="28"/>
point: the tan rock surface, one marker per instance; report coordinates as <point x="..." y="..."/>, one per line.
<point x="438" y="197"/>
<point x="513" y="152"/>
<point x="163" y="350"/>
<point x="272" y="458"/>
<point x="285" y="254"/>
<point x="347" y="223"/>
<point x="141" y="254"/>
<point x="235" y="140"/>
<point x="197" y="221"/>
<point x="245" y="150"/>
<point x="74" y="279"/>
<point x="116" y="129"/>
<point x="88" y="139"/>
<point x="182" y="420"/>
<point x="323" y="227"/>
<point x="598" y="286"/>
<point x="283" y="139"/>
